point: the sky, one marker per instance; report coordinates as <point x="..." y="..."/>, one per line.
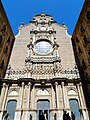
<point x="66" y="11"/>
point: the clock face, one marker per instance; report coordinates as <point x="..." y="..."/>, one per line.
<point x="43" y="47"/>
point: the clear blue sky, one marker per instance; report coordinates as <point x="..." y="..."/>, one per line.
<point x="66" y="11"/>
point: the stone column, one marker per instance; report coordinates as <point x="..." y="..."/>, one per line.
<point x="3" y="99"/>
<point x="60" y="102"/>
<point x="29" y="95"/>
<point x="33" y="98"/>
<point x="22" y="92"/>
<point x="33" y="104"/>
<point x="82" y="103"/>
<point x="28" y="102"/>
<point x="57" y="98"/>
<point x="60" y="96"/>
<point x="82" y="95"/>
<point x="79" y="95"/>
<point x="19" y="103"/>
<point x="2" y="95"/>
<point x="53" y="102"/>
<point x="65" y="98"/>
<point x="52" y="112"/>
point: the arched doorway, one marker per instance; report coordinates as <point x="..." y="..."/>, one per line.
<point x="43" y="108"/>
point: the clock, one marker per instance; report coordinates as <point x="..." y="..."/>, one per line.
<point x="43" y="47"/>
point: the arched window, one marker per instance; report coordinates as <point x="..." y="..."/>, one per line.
<point x="11" y="107"/>
<point x="75" y="108"/>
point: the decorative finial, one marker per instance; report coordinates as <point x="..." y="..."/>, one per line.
<point x="42" y="14"/>
<point x="64" y="25"/>
<point x="21" y="25"/>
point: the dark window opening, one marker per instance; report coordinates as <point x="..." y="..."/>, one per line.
<point x="88" y="15"/>
<point x="82" y="29"/>
<point x="77" y="39"/>
<point x="4" y="28"/>
<point x="87" y="77"/>
<point x="86" y="41"/>
<point x="79" y="50"/>
<point x="0" y="39"/>
<point x="6" y="50"/>
<point x="84" y="65"/>
<point x="89" y="53"/>
<point x="2" y="64"/>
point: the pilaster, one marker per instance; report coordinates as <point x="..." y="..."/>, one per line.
<point x="65" y="98"/>
<point x="26" y="113"/>
<point x="2" y="95"/>
<point x="82" y="102"/>
<point x="3" y="99"/>
<point x="57" y="98"/>
<point x="18" y="113"/>
<point x="53" y="102"/>
<point x="33" y="98"/>
<point x="29" y="95"/>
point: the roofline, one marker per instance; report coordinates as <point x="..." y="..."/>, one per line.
<point x="6" y="18"/>
<point x="79" y="18"/>
<point x="40" y="15"/>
